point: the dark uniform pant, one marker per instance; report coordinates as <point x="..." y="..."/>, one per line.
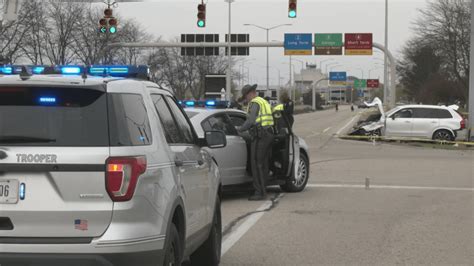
<point x="260" y="154"/>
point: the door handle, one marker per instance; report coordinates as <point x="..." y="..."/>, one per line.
<point x="178" y="163"/>
<point x="407" y="122"/>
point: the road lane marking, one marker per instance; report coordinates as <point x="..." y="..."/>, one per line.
<point x="236" y="234"/>
<point x="326" y="130"/>
<point x="390" y="187"/>
<point x="346" y="125"/>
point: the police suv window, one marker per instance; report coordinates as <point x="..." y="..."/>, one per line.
<point x="181" y="120"/>
<point x="128" y="120"/>
<point x="53" y="116"/>
<point x="172" y="134"/>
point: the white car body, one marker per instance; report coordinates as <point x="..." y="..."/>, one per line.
<point x="232" y="159"/>
<point x="420" y="121"/>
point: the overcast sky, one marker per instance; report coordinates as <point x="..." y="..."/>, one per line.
<point x="170" y="18"/>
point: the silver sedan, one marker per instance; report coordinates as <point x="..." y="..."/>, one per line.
<point x="289" y="161"/>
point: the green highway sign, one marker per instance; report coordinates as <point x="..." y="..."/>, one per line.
<point x="328" y="43"/>
<point x="360" y="84"/>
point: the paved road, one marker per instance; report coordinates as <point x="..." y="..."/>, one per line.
<point x="419" y="208"/>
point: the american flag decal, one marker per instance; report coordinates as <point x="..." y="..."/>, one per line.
<point x="80" y="225"/>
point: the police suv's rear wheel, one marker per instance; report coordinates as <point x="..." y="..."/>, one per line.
<point x="209" y="253"/>
<point x="173" y="250"/>
<point x="301" y="178"/>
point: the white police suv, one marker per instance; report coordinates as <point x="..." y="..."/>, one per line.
<point x="98" y="167"/>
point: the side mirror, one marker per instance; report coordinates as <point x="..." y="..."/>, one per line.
<point x="215" y="139"/>
<point x="393" y="117"/>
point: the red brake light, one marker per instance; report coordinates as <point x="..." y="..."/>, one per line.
<point x="122" y="176"/>
<point x="463" y="123"/>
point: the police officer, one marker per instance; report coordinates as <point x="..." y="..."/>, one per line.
<point x="286" y="107"/>
<point x="260" y="126"/>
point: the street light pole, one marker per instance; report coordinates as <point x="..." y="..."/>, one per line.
<point x="229" y="54"/>
<point x="268" y="48"/>
<point x="301" y="76"/>
<point x="385" y="74"/>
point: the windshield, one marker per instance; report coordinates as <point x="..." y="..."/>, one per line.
<point x="51" y="116"/>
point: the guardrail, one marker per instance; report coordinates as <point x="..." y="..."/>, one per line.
<point x="405" y="139"/>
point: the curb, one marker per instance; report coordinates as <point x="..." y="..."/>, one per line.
<point x="388" y="139"/>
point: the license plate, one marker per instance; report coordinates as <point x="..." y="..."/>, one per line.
<point x="8" y="191"/>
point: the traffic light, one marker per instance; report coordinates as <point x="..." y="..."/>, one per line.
<point x="112" y="25"/>
<point x="201" y="23"/>
<point x="292" y="9"/>
<point x="108" y="24"/>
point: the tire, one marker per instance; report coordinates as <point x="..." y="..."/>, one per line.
<point x="443" y="135"/>
<point x="209" y="253"/>
<point x="174" y="248"/>
<point x="299" y="183"/>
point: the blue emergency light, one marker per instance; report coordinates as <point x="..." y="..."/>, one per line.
<point x="211" y="103"/>
<point x="121" y="71"/>
<point x="70" y="70"/>
<point x="47" y="100"/>
<point x="7" y="70"/>
<point x="190" y="103"/>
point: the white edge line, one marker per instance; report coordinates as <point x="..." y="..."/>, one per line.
<point x="389" y="187"/>
<point x="245" y="226"/>
<point x="326" y="130"/>
<point x="346" y="125"/>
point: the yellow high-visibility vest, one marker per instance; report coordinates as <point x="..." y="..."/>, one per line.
<point x="265" y="117"/>
<point x="279" y="107"/>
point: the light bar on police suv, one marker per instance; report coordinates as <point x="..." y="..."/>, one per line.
<point x="123" y="71"/>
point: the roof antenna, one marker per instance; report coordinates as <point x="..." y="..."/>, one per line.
<point x="25" y="73"/>
<point x="84" y="75"/>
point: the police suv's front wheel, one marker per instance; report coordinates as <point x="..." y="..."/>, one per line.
<point x="298" y="183"/>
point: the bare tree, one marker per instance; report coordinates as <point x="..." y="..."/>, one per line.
<point x="34" y="43"/>
<point x="63" y="23"/>
<point x="445" y="24"/>
<point x="12" y="34"/>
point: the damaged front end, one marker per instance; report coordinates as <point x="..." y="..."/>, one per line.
<point x="373" y="125"/>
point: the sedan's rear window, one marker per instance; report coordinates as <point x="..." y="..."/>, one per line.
<point x="42" y="116"/>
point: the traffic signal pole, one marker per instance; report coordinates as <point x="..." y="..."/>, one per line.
<point x="471" y="78"/>
<point x="391" y="58"/>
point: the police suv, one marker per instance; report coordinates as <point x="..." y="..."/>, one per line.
<point x="98" y="168"/>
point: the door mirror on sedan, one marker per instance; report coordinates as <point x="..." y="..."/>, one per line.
<point x="393" y="117"/>
<point x="215" y="139"/>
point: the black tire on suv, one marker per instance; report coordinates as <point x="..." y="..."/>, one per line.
<point x="174" y="249"/>
<point x="210" y="252"/>
<point x="443" y="135"/>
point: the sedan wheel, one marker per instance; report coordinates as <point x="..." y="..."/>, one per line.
<point x="301" y="179"/>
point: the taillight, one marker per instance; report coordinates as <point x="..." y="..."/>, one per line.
<point x="122" y="176"/>
<point x="463" y="123"/>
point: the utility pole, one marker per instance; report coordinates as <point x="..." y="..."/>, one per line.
<point x="471" y="78"/>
